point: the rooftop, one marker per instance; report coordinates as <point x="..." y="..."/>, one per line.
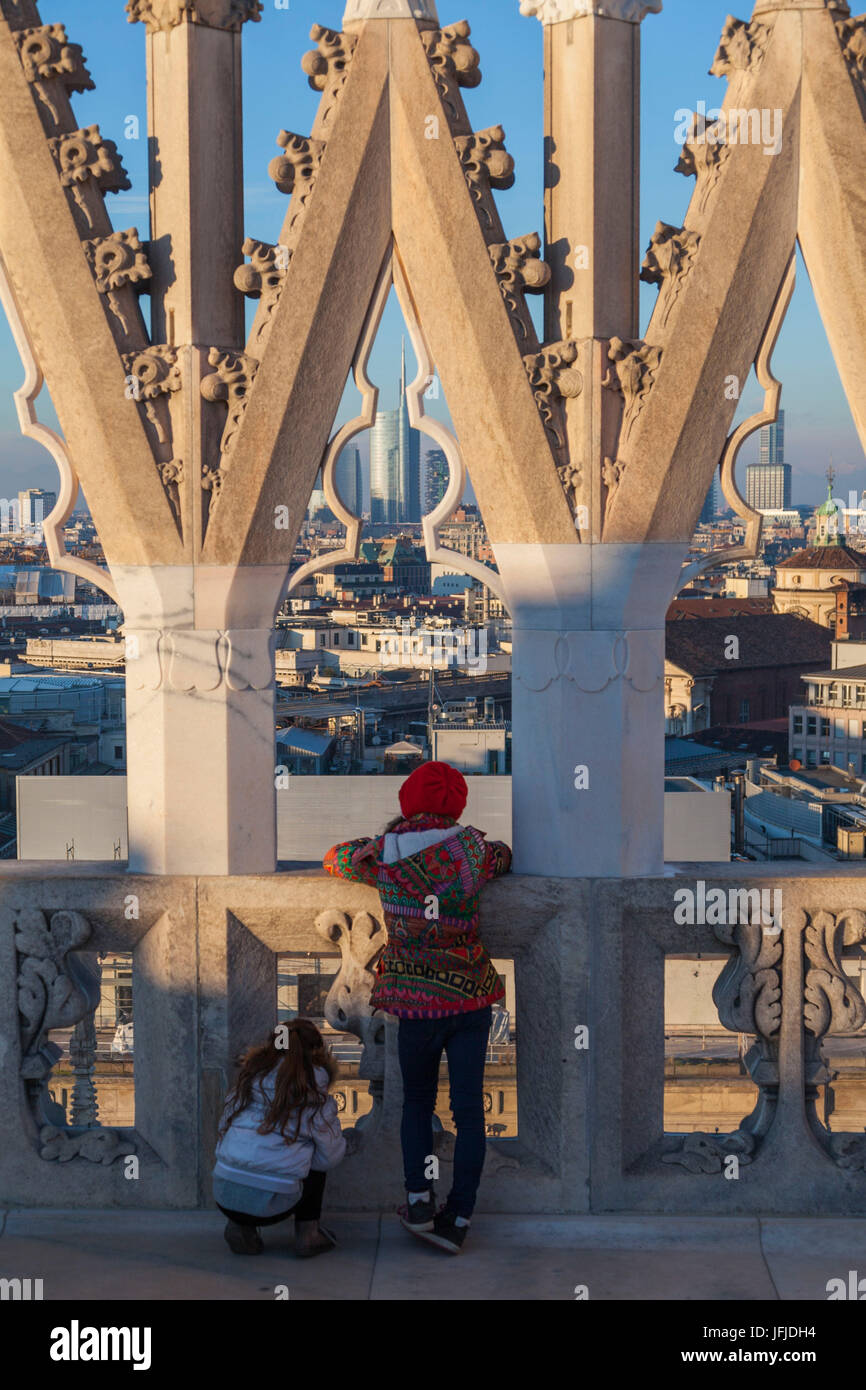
<point x="840" y="673"/>
<point x="825" y="557"/>
<point x="765" y="639"/>
<point x="8" y="684"/>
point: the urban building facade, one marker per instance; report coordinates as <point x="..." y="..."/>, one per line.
<point x="768" y="487"/>
<point x="349" y="479"/>
<point x="807" y="581"/>
<point x="436" y="475"/>
<point x="395" y="463"/>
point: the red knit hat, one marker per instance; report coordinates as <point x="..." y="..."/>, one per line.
<point x="437" y="788"/>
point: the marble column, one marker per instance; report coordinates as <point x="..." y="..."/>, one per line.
<point x="588" y="669"/>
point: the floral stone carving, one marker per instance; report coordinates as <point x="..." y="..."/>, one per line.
<point x="632" y="373"/>
<point x="741" y="47"/>
<point x="83" y="157"/>
<point x="453" y="62"/>
<point x="216" y="14"/>
<point x="520" y="270"/>
<point x="229" y="383"/>
<point x="298" y="165"/>
<point x="748" y="996"/>
<point x="832" y="1001"/>
<point x="327" y="65"/>
<point x="852" y="36"/>
<point x="553" y="376"/>
<point x="56" y="989"/>
<point x="116" y="261"/>
<point x="667" y="263"/>
<point x="486" y="164"/>
<point x="152" y="373"/>
<point x="263" y="277"/>
<point x="347" y="1006"/>
<point x="47" y="56"/>
<point x="703" y="155"/>
<point x="707" y="1153"/>
<point x="612" y="471"/>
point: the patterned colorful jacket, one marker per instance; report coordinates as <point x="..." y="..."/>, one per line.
<point x="429" y="872"/>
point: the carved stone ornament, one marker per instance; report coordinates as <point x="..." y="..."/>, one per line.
<point x="83" y="155"/>
<point x="852" y="36"/>
<point x="229" y="383"/>
<point x="298" y="165"/>
<point x="571" y="477"/>
<point x="741" y="47"/>
<point x="327" y="66"/>
<point x="97" y="1145"/>
<point x="520" y="270"/>
<point x="47" y="56"/>
<point x="553" y="376"/>
<point x="748" y="992"/>
<point x="117" y="260"/>
<point x="199" y="658"/>
<point x="708" y="1153"/>
<point x="263" y="277"/>
<point x="486" y="164"/>
<point x="748" y="996"/>
<point x="56" y="989"/>
<point x="667" y="263"/>
<point x="703" y="155"/>
<point x="216" y="14"/>
<point x="390" y="9"/>
<point x="592" y="661"/>
<point x="612" y="474"/>
<point x="633" y="373"/>
<point x="832" y="1001"/>
<point x="151" y="373"/>
<point x="360" y="940"/>
<point x="453" y="62"/>
<point x="555" y="11"/>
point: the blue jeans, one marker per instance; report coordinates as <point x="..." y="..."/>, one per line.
<point x="420" y="1043"/>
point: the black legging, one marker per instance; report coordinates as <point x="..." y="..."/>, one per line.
<point x="307" y="1208"/>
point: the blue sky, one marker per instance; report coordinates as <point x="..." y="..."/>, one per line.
<point x="678" y="48"/>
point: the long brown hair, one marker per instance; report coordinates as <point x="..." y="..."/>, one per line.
<point x="295" y="1089"/>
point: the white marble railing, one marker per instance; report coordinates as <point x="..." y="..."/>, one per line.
<point x="589" y="959"/>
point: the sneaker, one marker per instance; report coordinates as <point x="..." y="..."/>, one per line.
<point x="418" y="1217"/>
<point x="243" y="1240"/>
<point x="446" y="1233"/>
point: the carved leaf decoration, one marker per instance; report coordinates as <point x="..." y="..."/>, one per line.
<point x="832" y="1000"/>
<point x="360" y="939"/>
<point x="748" y="992"/>
<point x="53" y="991"/>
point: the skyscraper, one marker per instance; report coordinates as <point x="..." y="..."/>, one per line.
<point x="349" y="479"/>
<point x="34" y="504"/>
<point x="772" y="447"/>
<point x="768" y="482"/>
<point x="395" y="462"/>
<point x="712" y="503"/>
<point x="768" y="487"/>
<point x="436" y="475"/>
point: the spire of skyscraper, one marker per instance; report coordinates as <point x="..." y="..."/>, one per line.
<point x="402" y="368"/>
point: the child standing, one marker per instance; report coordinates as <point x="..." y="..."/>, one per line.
<point x="279" y="1135"/>
<point x="436" y="977"/>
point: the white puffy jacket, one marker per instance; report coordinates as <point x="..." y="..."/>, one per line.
<point x="270" y="1162"/>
